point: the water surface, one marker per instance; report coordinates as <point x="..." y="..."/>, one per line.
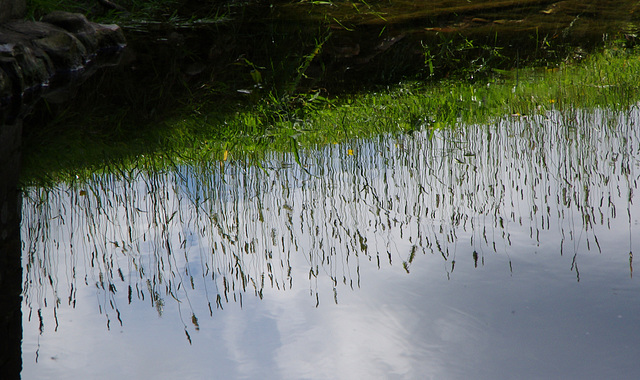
<point x="487" y="251"/>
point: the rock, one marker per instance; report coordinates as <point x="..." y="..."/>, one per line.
<point x="24" y="71"/>
<point x="64" y="50"/>
<point x="95" y="37"/>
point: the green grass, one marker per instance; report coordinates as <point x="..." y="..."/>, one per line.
<point x="608" y="79"/>
<point x="206" y="130"/>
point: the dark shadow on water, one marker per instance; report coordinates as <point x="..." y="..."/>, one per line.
<point x="10" y="253"/>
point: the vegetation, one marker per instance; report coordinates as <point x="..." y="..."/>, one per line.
<point x="205" y="129"/>
<point x="269" y="85"/>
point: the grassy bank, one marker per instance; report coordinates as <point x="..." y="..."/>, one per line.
<point x="608" y="79"/>
<point x="209" y="130"/>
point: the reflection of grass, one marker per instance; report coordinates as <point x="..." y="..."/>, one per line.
<point x="226" y="230"/>
<point x="215" y="131"/>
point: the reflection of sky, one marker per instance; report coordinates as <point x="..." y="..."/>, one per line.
<point x="520" y="314"/>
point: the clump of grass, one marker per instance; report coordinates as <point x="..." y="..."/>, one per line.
<point x="607" y="79"/>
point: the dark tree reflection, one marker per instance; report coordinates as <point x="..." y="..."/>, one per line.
<point x="10" y="249"/>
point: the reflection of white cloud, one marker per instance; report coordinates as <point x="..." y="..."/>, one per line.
<point x="348" y="342"/>
<point x="369" y="334"/>
<point x="241" y="336"/>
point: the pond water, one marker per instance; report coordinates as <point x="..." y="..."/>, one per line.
<point x="486" y="251"/>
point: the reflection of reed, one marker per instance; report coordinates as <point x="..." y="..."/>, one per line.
<point x="228" y="230"/>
